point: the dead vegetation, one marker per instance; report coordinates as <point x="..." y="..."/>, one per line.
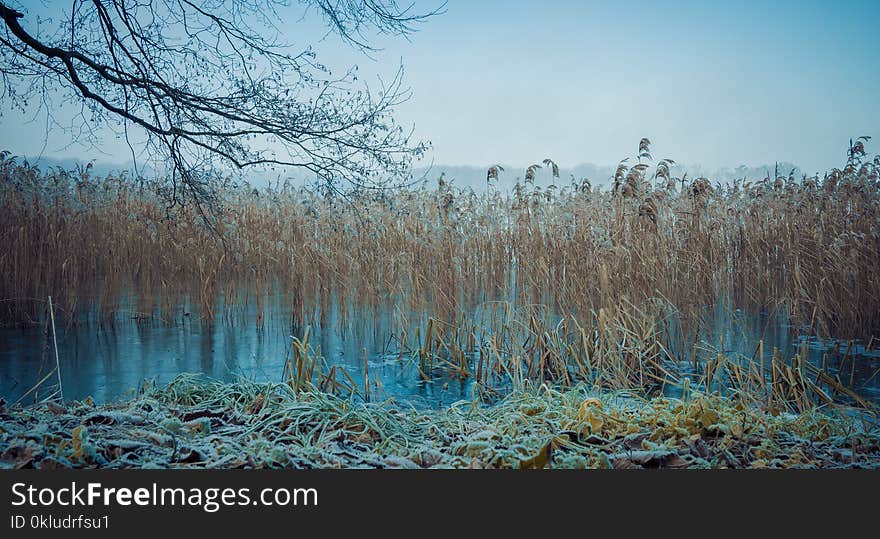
<point x="808" y="245"/>
<point x="194" y="423"/>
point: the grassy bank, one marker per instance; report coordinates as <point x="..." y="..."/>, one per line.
<point x="195" y="423"/>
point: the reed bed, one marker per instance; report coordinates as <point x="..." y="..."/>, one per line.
<point x="807" y="245"/>
<point x="194" y="423"/>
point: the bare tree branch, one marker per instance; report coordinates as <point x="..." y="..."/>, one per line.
<point x="210" y="81"/>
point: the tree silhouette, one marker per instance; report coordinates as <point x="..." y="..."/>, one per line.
<point x="210" y="85"/>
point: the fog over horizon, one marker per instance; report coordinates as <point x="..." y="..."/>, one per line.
<point x="462" y="176"/>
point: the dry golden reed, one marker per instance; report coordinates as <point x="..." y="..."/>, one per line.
<point x="652" y="241"/>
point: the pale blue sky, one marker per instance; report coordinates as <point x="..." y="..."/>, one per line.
<point x="715" y="83"/>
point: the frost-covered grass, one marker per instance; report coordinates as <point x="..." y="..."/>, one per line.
<point x="195" y="423"/>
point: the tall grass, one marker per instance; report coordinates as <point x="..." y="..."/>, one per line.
<point x="808" y="245"/>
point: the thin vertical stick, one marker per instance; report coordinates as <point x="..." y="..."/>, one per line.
<point x="55" y="342"/>
<point x="852" y="372"/>
<point x="366" y="378"/>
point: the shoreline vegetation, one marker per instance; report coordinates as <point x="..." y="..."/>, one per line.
<point x="198" y="423"/>
<point x="571" y="310"/>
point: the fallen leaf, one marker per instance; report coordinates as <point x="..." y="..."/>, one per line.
<point x="539" y="461"/>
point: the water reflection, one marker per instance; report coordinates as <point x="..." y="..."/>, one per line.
<point x="110" y="361"/>
<point x="739" y="334"/>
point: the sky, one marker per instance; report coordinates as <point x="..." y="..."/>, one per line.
<point x="715" y="83"/>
